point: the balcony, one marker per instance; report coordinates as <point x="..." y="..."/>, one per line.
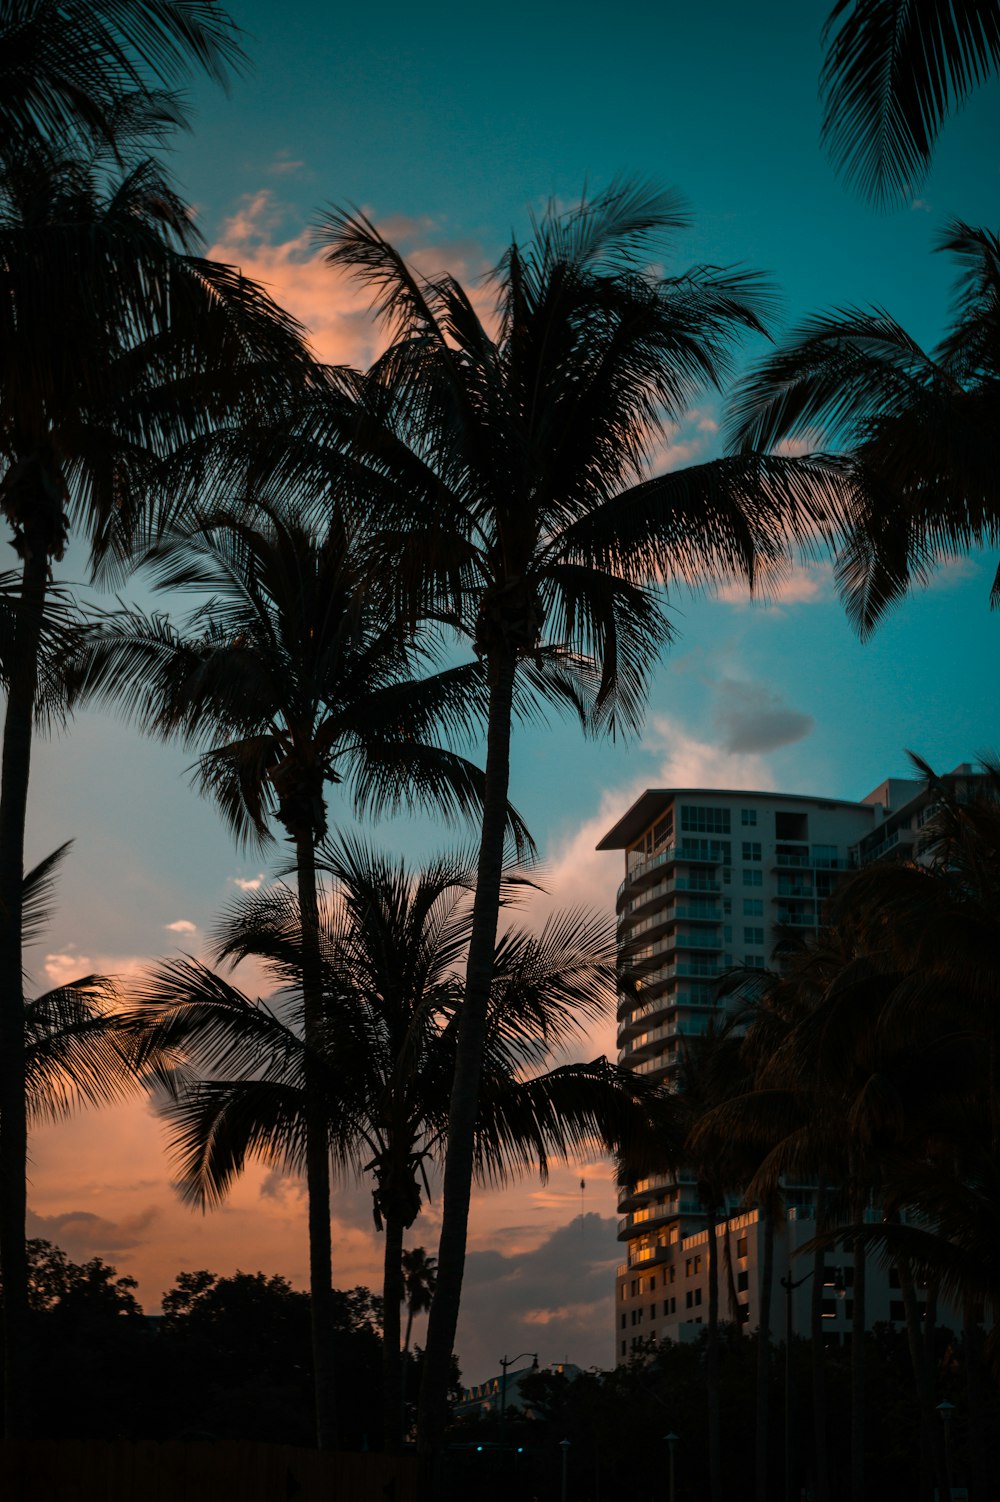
<point x="707" y="853"/>
<point x="666" y="888"/>
<point x="698" y="939"/>
<point x="796" y="918"/>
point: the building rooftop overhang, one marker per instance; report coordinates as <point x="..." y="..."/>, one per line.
<point x="645" y="810"/>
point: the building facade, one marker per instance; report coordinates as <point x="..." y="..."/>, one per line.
<point x="711" y="879"/>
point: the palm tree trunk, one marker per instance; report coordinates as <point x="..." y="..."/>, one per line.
<point x="317" y="1150"/>
<point x="858" y="1322"/>
<point x="392" y="1366"/>
<point x="764" y="1356"/>
<point x="14" y="778"/>
<point x="457" y="1189"/>
<point x="731" y="1293"/>
<point x="929" y="1421"/>
<point x="712" y="1365"/>
<point x="975" y="1390"/>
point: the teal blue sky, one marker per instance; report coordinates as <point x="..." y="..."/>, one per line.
<point x="447" y="125"/>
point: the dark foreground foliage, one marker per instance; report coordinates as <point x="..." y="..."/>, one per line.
<point x="617" y="1422"/>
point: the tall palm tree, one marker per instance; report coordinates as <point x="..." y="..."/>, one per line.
<point x="915" y="431"/>
<point x="392" y="945"/>
<point x="520" y="450"/>
<point x="894" y="70"/>
<point x="291" y="678"/>
<point x="116" y="341"/>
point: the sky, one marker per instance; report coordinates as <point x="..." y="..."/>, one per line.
<point x="449" y="125"/>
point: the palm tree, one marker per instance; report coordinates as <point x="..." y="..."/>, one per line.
<point x="894" y="70"/>
<point x="116" y="341"/>
<point x="916" y="431"/>
<point x="392" y="945"/>
<point x="291" y="677"/>
<point x="524" y="515"/>
<point x="419" y="1282"/>
<point x="73" y="72"/>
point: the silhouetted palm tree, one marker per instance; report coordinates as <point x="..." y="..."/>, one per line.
<point x="78" y="72"/>
<point x="894" y="70"/>
<point x="116" y="342"/>
<point x="520" y="448"/>
<point x="392" y="946"/>
<point x="916" y="431"/>
<point x="289" y="679"/>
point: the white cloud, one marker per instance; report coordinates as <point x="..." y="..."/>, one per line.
<point x="182" y="926"/>
<point x="248" y="884"/>
<point x="60" y="969"/>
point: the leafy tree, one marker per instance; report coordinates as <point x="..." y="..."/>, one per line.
<point x="116" y="341"/>
<point x="511" y="463"/>
<point x="392" y="946"/>
<point x="97" y="71"/>
<point x="289" y="678"/>
<point x="915" y="431"/>
<point x="894" y="70"/>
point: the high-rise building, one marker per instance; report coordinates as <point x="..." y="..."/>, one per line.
<point x="711" y="877"/>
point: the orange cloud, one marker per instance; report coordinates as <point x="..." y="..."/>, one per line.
<point x="334" y="309"/>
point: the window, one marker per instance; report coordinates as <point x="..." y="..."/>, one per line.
<point x="624" y="1321"/>
<point x="825" y="856"/>
<point x="753" y="878"/>
<point x="705" y="820"/>
<point x="727" y="875"/>
<point x="727" y="906"/>
<point x="754" y="961"/>
<point x="791" y="826"/>
<point x="741" y="1246"/>
<point x="663" y="832"/>
<point x="753" y="907"/>
<point x="727" y="934"/>
<point x="742" y="1282"/>
<point x="753" y="936"/>
<point x="697" y="1297"/>
<point x="652" y="1311"/>
<point x="672" y="1273"/>
<point x="896" y="1310"/>
<point x="624" y="1347"/>
<point x="752" y="850"/>
<point x="689" y="1299"/>
<point x="692" y="1265"/>
<point x="673" y="1305"/>
<point x="748" y="817"/>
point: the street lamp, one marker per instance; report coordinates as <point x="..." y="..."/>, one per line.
<point x="671" y="1440"/>
<point x="564" y="1447"/>
<point x="505" y="1362"/>
<point x="947" y="1412"/>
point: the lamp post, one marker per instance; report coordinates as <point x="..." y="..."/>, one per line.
<point x="671" y="1439"/>
<point x="564" y="1447"/>
<point x="505" y="1362"/>
<point x="947" y="1412"/>
<point x="789" y="1284"/>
